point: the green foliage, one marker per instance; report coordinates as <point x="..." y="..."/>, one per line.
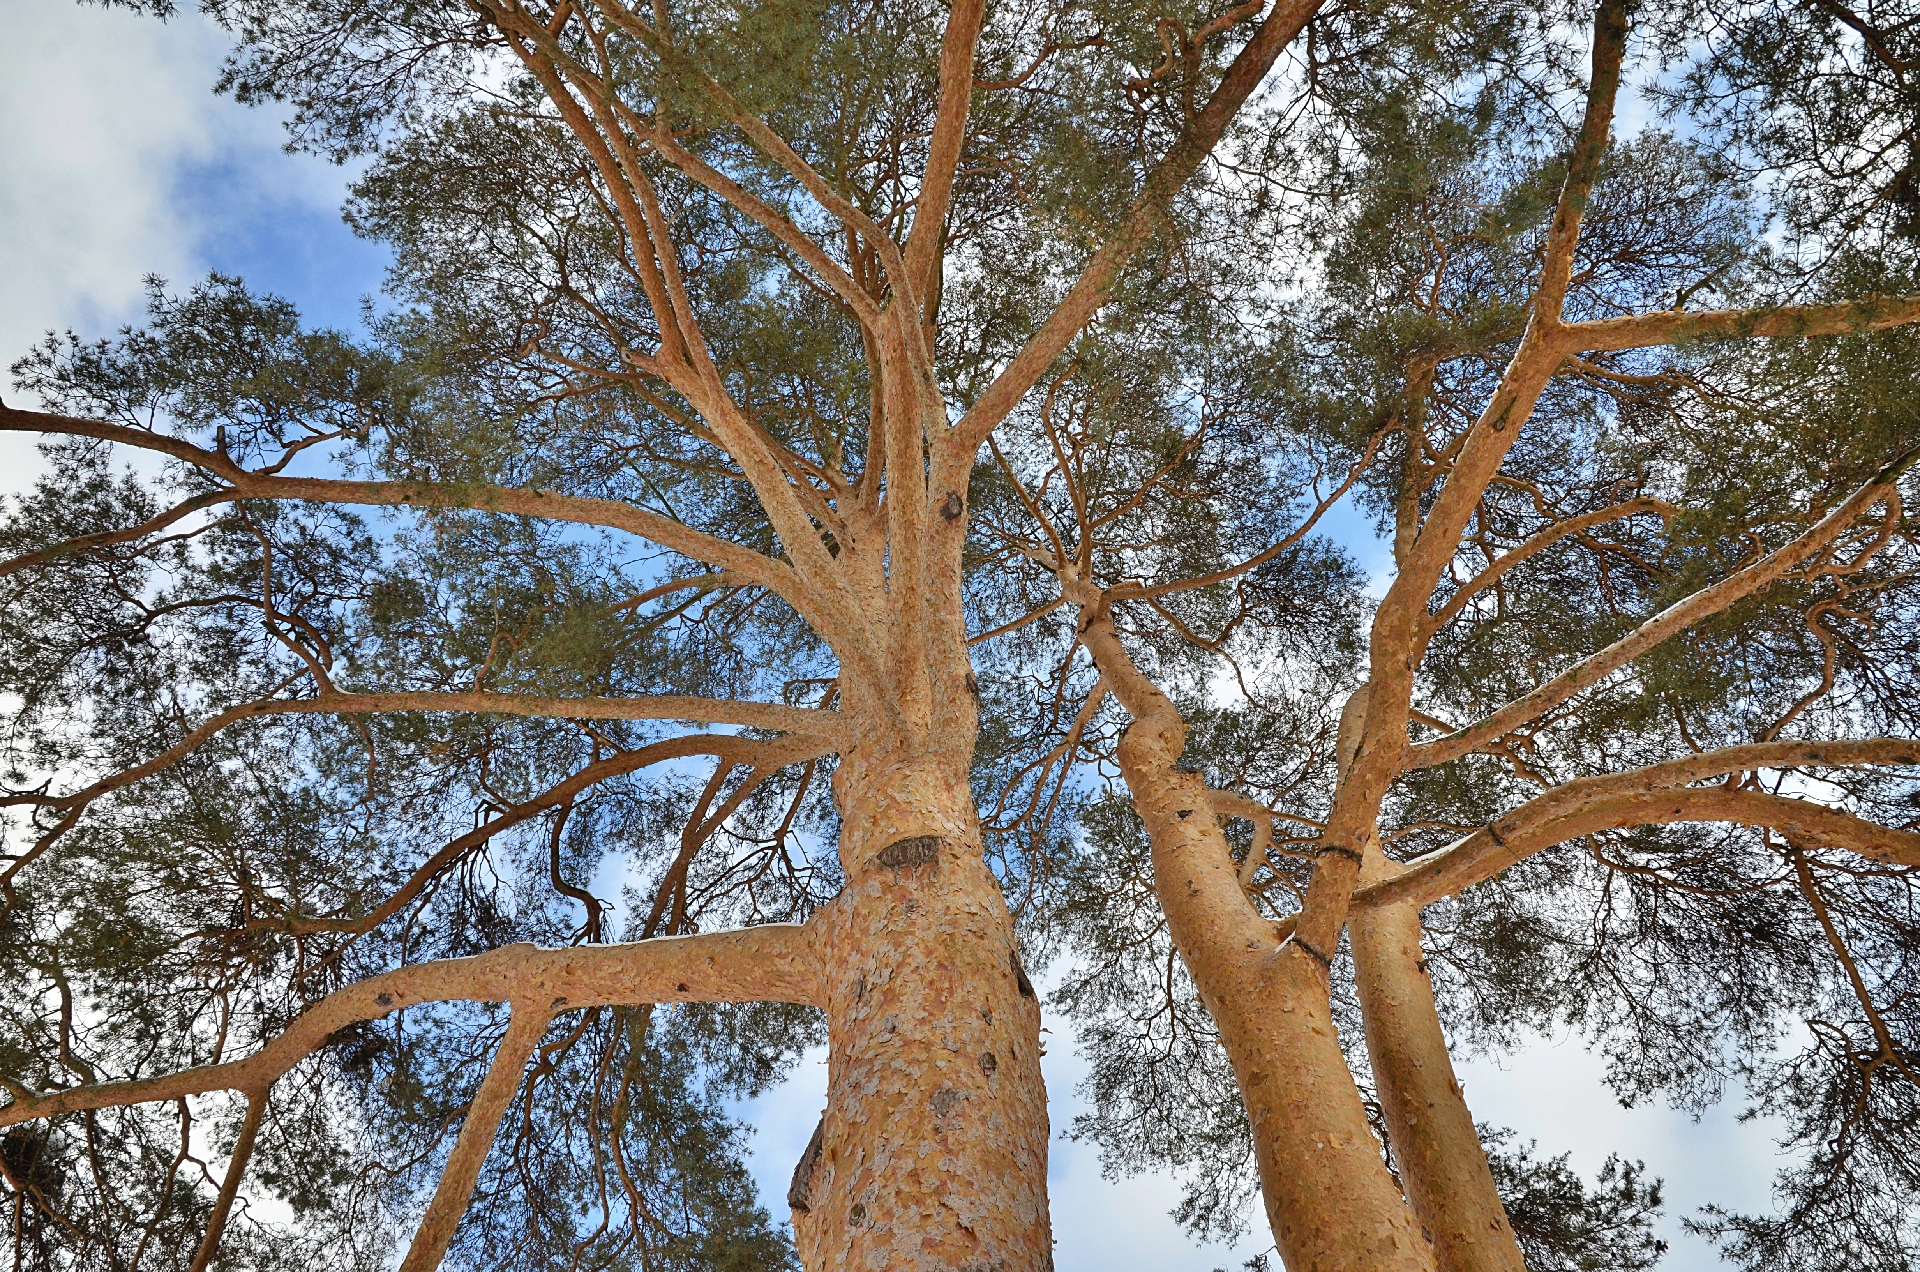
<point x="1337" y="291"/>
<point x="1565" y="1227"/>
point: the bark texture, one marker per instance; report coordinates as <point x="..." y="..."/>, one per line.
<point x="933" y="1150"/>
<point x="1443" y="1167"/>
<point x="1329" y="1197"/>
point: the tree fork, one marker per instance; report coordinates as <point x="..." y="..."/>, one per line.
<point x="1443" y="1166"/>
<point x="1329" y="1198"/>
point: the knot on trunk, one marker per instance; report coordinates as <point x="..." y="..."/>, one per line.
<point x="1019" y="976"/>
<point x="915" y="850"/>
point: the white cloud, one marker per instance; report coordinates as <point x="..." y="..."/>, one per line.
<point x="117" y="160"/>
<point x="1555" y="1091"/>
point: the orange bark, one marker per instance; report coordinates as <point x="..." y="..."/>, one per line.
<point x="1329" y="1197"/>
<point x="1443" y="1167"/>
<point x="933" y="1150"/>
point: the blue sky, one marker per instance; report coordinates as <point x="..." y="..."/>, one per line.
<point x="116" y="161"/>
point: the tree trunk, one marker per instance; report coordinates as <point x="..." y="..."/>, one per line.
<point x="932" y="1155"/>
<point x="1330" y="1199"/>
<point x="1442" y="1164"/>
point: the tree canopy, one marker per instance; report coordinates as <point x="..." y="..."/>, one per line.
<point x="834" y="517"/>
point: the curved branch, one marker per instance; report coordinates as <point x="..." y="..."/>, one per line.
<point x="1399" y="633"/>
<point x="476" y="496"/>
<point x="799" y="722"/>
<point x="1510" y="840"/>
<point x="1232" y="804"/>
<point x="1539" y="543"/>
<point x="766" y="755"/>
<point x="1131" y="591"/>
<point x="772" y="963"/>
<point x="107" y="538"/>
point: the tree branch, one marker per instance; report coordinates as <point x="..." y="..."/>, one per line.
<point x="1539" y="543"/>
<point x="230" y="1185"/>
<point x="1669" y="622"/>
<point x="771" y="963"/>
<point x="482" y="1122"/>
<point x="924" y="245"/>
<point x="1613" y="803"/>
<point x="1639" y="331"/>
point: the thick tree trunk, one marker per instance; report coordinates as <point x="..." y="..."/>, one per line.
<point x="932" y="1155"/>
<point x="1442" y="1164"/>
<point x="1330" y="1199"/>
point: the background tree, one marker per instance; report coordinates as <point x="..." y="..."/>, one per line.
<point x="1620" y="500"/>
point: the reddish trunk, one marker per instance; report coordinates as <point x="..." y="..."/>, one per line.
<point x="1329" y="1197"/>
<point x="933" y="1151"/>
<point x="1442" y="1165"/>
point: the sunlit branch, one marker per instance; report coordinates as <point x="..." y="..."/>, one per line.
<point x="1583" y="165"/>
<point x="695" y="375"/>
<point x="1483" y="447"/>
<point x="1518" y="835"/>
<point x="772" y="963"/>
<point x="791" y="236"/>
<point x="924" y="242"/>
<point x="475" y="496"/>
<point x="482" y="1122"/>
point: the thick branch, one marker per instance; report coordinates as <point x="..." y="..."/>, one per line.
<point x="1487" y="852"/>
<point x="943" y="154"/>
<point x="477" y="496"/>
<point x="482" y="1122"/>
<point x="1583" y="165"/>
<point x="1638" y="331"/>
<point x="230" y="1184"/>
<point x="1399" y="632"/>
<point x="773" y="963"/>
